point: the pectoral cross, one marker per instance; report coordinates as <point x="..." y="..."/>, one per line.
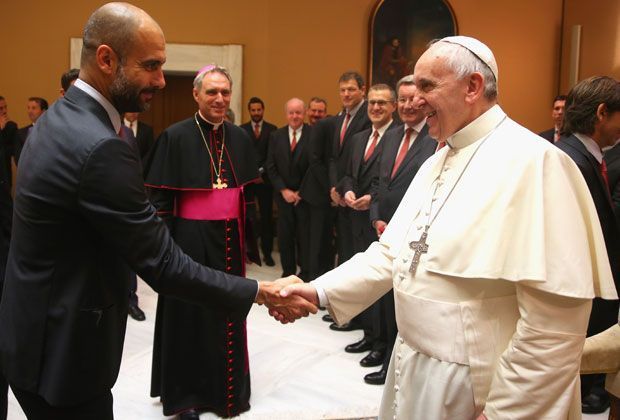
<point x="219" y="185"/>
<point x="419" y="247"/>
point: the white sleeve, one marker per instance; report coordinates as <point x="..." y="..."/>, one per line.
<point x="537" y="375"/>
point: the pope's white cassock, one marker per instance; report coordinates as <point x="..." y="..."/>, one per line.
<point x="494" y="317"/>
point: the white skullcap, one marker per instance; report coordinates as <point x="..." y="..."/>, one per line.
<point x="478" y="49"/>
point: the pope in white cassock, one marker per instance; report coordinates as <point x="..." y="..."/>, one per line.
<point x="494" y="256"/>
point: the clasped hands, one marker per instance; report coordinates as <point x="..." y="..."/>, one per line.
<point x="362" y="203"/>
<point x="288" y="298"/>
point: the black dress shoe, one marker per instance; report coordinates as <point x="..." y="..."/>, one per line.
<point x="327" y="318"/>
<point x="136" y="313"/>
<point x="376" y="378"/>
<point x="374" y="358"/>
<point x="189" y="415"/>
<point x="269" y="261"/>
<point x="594" y="403"/>
<point x="359" y="347"/>
<point x="345" y="327"/>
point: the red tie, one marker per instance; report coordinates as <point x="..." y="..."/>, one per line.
<point x="256" y="131"/>
<point x="343" y="129"/>
<point x="294" y="141"/>
<point x="440" y="145"/>
<point x="404" y="148"/>
<point x="373" y="144"/>
<point x="604" y="174"/>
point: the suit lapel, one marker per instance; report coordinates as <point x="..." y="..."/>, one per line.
<point x="576" y="144"/>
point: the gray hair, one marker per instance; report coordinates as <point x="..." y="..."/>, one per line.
<point x="293" y="100"/>
<point x="211" y="68"/>
<point x="405" y="81"/>
<point x="463" y="63"/>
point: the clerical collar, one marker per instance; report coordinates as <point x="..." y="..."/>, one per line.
<point x="354" y="110"/>
<point x="115" y="117"/>
<point x="591" y="146"/>
<point x="477" y="129"/>
<point x="215" y="125"/>
<point x="418" y="127"/>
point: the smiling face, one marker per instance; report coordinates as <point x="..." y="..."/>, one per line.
<point x="213" y="97"/>
<point x="409" y="105"/>
<point x="350" y="93"/>
<point x="295" y="112"/>
<point x="442" y="95"/>
<point x="316" y="111"/>
<point x="380" y="107"/>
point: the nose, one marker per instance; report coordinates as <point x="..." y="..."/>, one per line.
<point x="160" y="81"/>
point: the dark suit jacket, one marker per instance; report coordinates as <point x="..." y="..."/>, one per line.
<point x="9" y="147"/>
<point x="589" y="168"/>
<point x="22" y="136"/>
<point x="81" y="221"/>
<point x="548" y="135"/>
<point x="315" y="185"/>
<point x="387" y="192"/>
<point x="360" y="175"/>
<point x="286" y="169"/>
<point x="612" y="159"/>
<point x="341" y="154"/>
<point x="261" y="144"/>
<point x="145" y="139"/>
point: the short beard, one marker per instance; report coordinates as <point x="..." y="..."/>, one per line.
<point x="125" y="95"/>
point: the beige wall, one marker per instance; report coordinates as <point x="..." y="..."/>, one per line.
<point x="292" y="48"/>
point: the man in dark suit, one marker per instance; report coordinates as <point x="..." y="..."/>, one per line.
<point x="36" y="107"/>
<point x="287" y="163"/>
<point x="591" y="122"/>
<point x="404" y="150"/>
<point x="9" y="144"/>
<point x="355" y="187"/>
<point x="259" y="130"/>
<point x="612" y="159"/>
<point x="67" y="80"/>
<point x="142" y="132"/>
<point x="557" y="114"/>
<point x="82" y="220"/>
<point x="315" y="191"/>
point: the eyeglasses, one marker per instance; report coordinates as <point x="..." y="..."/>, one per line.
<point x="381" y="103"/>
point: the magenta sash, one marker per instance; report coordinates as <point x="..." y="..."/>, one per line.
<point x="225" y="204"/>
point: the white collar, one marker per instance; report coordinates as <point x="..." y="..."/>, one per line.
<point x="591" y="146"/>
<point x="115" y="117"/>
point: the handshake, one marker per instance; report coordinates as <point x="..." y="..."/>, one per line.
<point x="288" y="299"/>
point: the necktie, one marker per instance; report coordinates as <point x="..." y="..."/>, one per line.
<point x="403" y="150"/>
<point x="256" y="130"/>
<point x="556" y="135"/>
<point x="604" y="174"/>
<point x="343" y="129"/>
<point x="440" y="145"/>
<point x="294" y="141"/>
<point x="373" y="144"/>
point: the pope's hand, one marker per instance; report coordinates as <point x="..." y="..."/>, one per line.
<point x="298" y="290"/>
<point x="284" y="308"/>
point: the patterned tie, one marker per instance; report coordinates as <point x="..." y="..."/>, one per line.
<point x="343" y="129"/>
<point x="373" y="144"/>
<point x="294" y="141"/>
<point x="256" y="130"/>
<point x="403" y="150"/>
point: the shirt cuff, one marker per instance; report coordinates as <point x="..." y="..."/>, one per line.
<point x="323" y="301"/>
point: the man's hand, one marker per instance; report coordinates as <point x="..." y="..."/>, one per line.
<point x="284" y="308"/>
<point x="349" y="198"/>
<point x="336" y="199"/>
<point x="362" y="203"/>
<point x="290" y="196"/>
<point x="379" y="226"/>
<point x="4" y="118"/>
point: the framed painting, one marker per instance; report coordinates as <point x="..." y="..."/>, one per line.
<point x="399" y="33"/>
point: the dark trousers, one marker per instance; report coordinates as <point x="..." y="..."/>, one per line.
<point x="36" y="408"/>
<point x="320" y="240"/>
<point x="344" y="235"/>
<point x="293" y="237"/>
<point x="264" y="196"/>
<point x="133" y="288"/>
<point x="386" y="325"/>
<point x="4" y="390"/>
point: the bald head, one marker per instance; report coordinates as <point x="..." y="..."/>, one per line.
<point x="115" y="25"/>
<point x="295" y="111"/>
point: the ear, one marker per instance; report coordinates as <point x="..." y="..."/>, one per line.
<point x="475" y="87"/>
<point x="601" y="112"/>
<point x="195" y="93"/>
<point x="106" y="59"/>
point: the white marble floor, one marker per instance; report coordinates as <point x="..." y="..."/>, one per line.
<point x="299" y="371"/>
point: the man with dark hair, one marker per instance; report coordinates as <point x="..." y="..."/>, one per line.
<point x="67" y="80"/>
<point x="591" y="122"/>
<point x="259" y="130"/>
<point x="352" y="120"/>
<point x="82" y="220"/>
<point x="317" y="110"/>
<point x="557" y="114"/>
<point x="36" y="107"/>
